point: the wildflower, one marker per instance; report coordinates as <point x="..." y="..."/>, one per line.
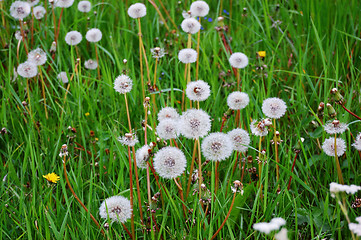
<point x="356" y="227"/>
<point x="281" y="235"/>
<point x="27" y="70"/>
<point x="169" y="162"/>
<point x="157" y="52"/>
<point x="168" y="113"/>
<point x="87" y="114"/>
<point x="64" y="3"/>
<point x="93" y="35"/>
<point x="237" y="100"/>
<point x="20" y="9"/>
<point x="186" y="14"/>
<point x="259" y="128"/>
<point x="18" y="36"/>
<point x="357" y="143"/>
<point x="266" y="227"/>
<point x="198" y="90"/>
<point x="117" y="208"/>
<point x="240" y="139"/>
<point x="217" y="146"/>
<point x="274" y="107"/>
<point x="199" y="8"/>
<point x="238" y="60"/>
<point x="190" y="25"/>
<point x="128" y="139"/>
<point x="33" y="2"/>
<point x="123" y="84"/>
<point x="142" y="156"/>
<point x="91" y="64"/>
<point x="37" y="57"/>
<point x="335" y="127"/>
<point x="39" y="12"/>
<point x="63" y="77"/>
<point x="168" y="129"/>
<point x="328" y="146"/>
<point x="237" y="187"/>
<point x="187" y="55"/>
<point x="64" y="151"/>
<point x="84" y="6"/>
<point x="194" y="123"/>
<point x="73" y="38"/>
<point x="349" y="189"/>
<point x="137" y="10"/>
<point x="261" y="54"/>
<point x="51" y="177"/>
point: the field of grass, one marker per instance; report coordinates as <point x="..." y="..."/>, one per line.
<point x="311" y="47"/>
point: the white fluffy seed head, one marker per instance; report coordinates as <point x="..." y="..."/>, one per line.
<point x="91" y="64"/>
<point x="267" y="228"/>
<point x="39" y="12"/>
<point x="37" y="56"/>
<point x="93" y="35"/>
<point x="282" y="235"/>
<point x="142" y="156"/>
<point x="217" y="146"/>
<point x="198" y="90"/>
<point x="169" y="162"/>
<point x="128" y="140"/>
<point x="187" y="55"/>
<point x="259" y="128"/>
<point x="274" y="107"/>
<point x="199" y="8"/>
<point x="27" y="69"/>
<point x="238" y="60"/>
<point x="137" y="10"/>
<point x="33" y="2"/>
<point x="349" y="189"/>
<point x="328" y="146"/>
<point x="64" y="3"/>
<point x="168" y="129"/>
<point x="194" y="123"/>
<point x="73" y="38"/>
<point x="118" y="209"/>
<point x="357" y="143"/>
<point x="168" y="113"/>
<point x="356" y="227"/>
<point x="123" y="84"/>
<point x="63" y="77"/>
<point x="190" y="25"/>
<point x="20" y="9"/>
<point x="240" y="139"/>
<point x="84" y="6"/>
<point x="18" y="36"/>
<point x="237" y="100"/>
<point x="333" y="127"/>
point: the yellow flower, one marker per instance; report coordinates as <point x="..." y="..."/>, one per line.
<point x="87" y="114"/>
<point x="52" y="177"/>
<point x="261" y="54"/>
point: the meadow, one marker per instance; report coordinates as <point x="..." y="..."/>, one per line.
<point x="110" y="110"/>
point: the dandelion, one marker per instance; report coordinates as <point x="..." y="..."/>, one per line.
<point x="168" y="129"/>
<point x="266" y="227"/>
<point x="238" y="60"/>
<point x="190" y="25"/>
<point x="123" y="84"/>
<point x="64" y="3"/>
<point x="93" y="35"/>
<point x="237" y="100"/>
<point x="194" y="123"/>
<point x="349" y="189"/>
<point x="217" y="146"/>
<point x="27" y="70"/>
<point x="20" y="9"/>
<point x="335" y="127"/>
<point x="84" y="6"/>
<point x="51" y="177"/>
<point x="240" y="139"/>
<point x="142" y="156"/>
<point x="63" y="77"/>
<point x="137" y="10"/>
<point x="91" y="64"/>
<point x="168" y="113"/>
<point x="282" y="235"/>
<point x="18" y="36"/>
<point x="117" y="208"/>
<point x="187" y="14"/>
<point x="157" y="52"/>
<point x="199" y="8"/>
<point x="33" y="2"/>
<point x="261" y="54"/>
<point x="357" y="143"/>
<point x="73" y="38"/>
<point x="128" y="139"/>
<point x="198" y="90"/>
<point x="328" y="146"/>
<point x="260" y="128"/>
<point x="274" y="107"/>
<point x="169" y="162"/>
<point x="187" y="55"/>
<point x="37" y="57"/>
<point x="39" y="12"/>
<point x="356" y="227"/>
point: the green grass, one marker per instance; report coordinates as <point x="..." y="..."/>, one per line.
<point x="314" y="49"/>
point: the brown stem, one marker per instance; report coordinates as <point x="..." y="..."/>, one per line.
<point x="339" y="171"/>
<point x="276" y="153"/>
<point x="23" y="35"/>
<point x="131" y="189"/>
<point x="191" y="170"/>
<point x="126" y="229"/>
<point x="138" y="187"/>
<point x="97" y="57"/>
<point x="160" y="14"/>
<point x="58" y="28"/>
<point x="293" y="166"/>
<point x="343" y="106"/>
<point x="167" y="13"/>
<point x="182" y="198"/>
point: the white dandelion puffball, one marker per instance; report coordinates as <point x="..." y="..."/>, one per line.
<point x="118" y="209"/>
<point x="238" y="60"/>
<point x="39" y="12"/>
<point x="237" y="100"/>
<point x="356" y="227"/>
<point x="64" y="3"/>
<point x="128" y="140"/>
<point x="84" y="6"/>
<point x="194" y="123"/>
<point x="27" y="69"/>
<point x="33" y="2"/>
<point x="282" y="235"/>
<point x="20" y="9"/>
<point x="91" y="64"/>
<point x="349" y="189"/>
<point x="73" y="38"/>
<point x="168" y="113"/>
<point x="63" y="77"/>
<point x="240" y="139"/>
<point x="168" y="129"/>
<point x="137" y="10"/>
<point x="328" y="146"/>
<point x="334" y="127"/>
<point x="18" y="36"/>
<point x="187" y="55"/>
<point x="258" y="128"/>
<point x="169" y="162"/>
<point x="37" y="57"/>
<point x="93" y="35"/>
<point x="274" y="107"/>
<point x="217" y="146"/>
<point x="357" y="143"/>
<point x="190" y="25"/>
<point x="198" y="90"/>
<point x="142" y="156"/>
<point x="123" y="84"/>
<point x="267" y="228"/>
<point x="199" y="8"/>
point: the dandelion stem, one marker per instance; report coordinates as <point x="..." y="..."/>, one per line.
<point x="32" y="30"/>
<point x="126" y="229"/>
<point x="167" y="13"/>
<point x="276" y="153"/>
<point x="141" y="57"/>
<point x="131" y="188"/>
<point x="191" y="170"/>
<point x="238" y="80"/>
<point x="181" y="195"/>
<point x="198" y="39"/>
<point x="58" y="28"/>
<point x="344" y="211"/>
<point x="43" y="92"/>
<point x="199" y="167"/>
<point x="293" y="166"/>
<point x="97" y="57"/>
<point x="339" y="171"/>
<point x="160" y="14"/>
<point x="353" y="114"/>
<point x="23" y="35"/>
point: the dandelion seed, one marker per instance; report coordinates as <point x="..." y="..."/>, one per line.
<point x="91" y="64"/>
<point x="217" y="146"/>
<point x="117" y="208"/>
<point x="33" y="2"/>
<point x="137" y="10"/>
<point x="63" y="77"/>
<point x="84" y="6"/>
<point x="199" y="8"/>
<point x="128" y="139"/>
<point x="169" y="162"/>
<point x="259" y="128"/>
<point x="238" y="60"/>
<point x="51" y="177"/>
<point x="237" y="100"/>
<point x="356" y="227"/>
<point x="64" y="3"/>
<point x="157" y="52"/>
<point x="194" y="123"/>
<point x="123" y="84"/>
<point x="37" y="57"/>
<point x="240" y="139"/>
<point x="187" y="55"/>
<point x="39" y="12"/>
<point x="267" y="228"/>
<point x="357" y="143"/>
<point x="73" y="38"/>
<point x="282" y="235"/>
<point x="168" y="129"/>
<point x="168" y="113"/>
<point x="198" y="90"/>
<point x="274" y="107"/>
<point x="335" y="127"/>
<point x="93" y="35"/>
<point x="349" y="189"/>
<point x="27" y="70"/>
<point x="190" y="25"/>
<point x="18" y="36"/>
<point x="142" y="156"/>
<point x="20" y="10"/>
<point x="328" y="146"/>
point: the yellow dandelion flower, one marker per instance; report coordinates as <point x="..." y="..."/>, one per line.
<point x="52" y="177"/>
<point x="87" y="114"/>
<point x="261" y="54"/>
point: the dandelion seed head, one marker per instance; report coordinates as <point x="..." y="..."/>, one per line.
<point x="199" y="8"/>
<point x="128" y="139"/>
<point x="187" y="55"/>
<point x="91" y="64"/>
<point x="335" y="126"/>
<point x="18" y="36"/>
<point x="168" y="129"/>
<point x="169" y="162"/>
<point x="142" y="156"/>
<point x="282" y="235"/>
<point x="217" y="146"/>
<point x="274" y="107"/>
<point x="32" y="2"/>
<point x="63" y="77"/>
<point x="238" y="60"/>
<point x="356" y="227"/>
<point x="328" y="146"/>
<point x="93" y="35"/>
<point x="349" y="189"/>
<point x="357" y="143"/>
<point x="37" y="57"/>
<point x="237" y="100"/>
<point x="137" y="10"/>
<point x="259" y="128"/>
<point x="20" y="9"/>
<point x="157" y="52"/>
<point x="84" y="6"/>
<point x="73" y="38"/>
<point x="194" y="123"/>
<point x="27" y="69"/>
<point x="198" y="90"/>
<point x="168" y="113"/>
<point x="240" y="139"/>
<point x="39" y="12"/>
<point x="267" y="228"/>
<point x="63" y="3"/>
<point x="190" y="25"/>
<point x="123" y="84"/>
<point x="118" y="209"/>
